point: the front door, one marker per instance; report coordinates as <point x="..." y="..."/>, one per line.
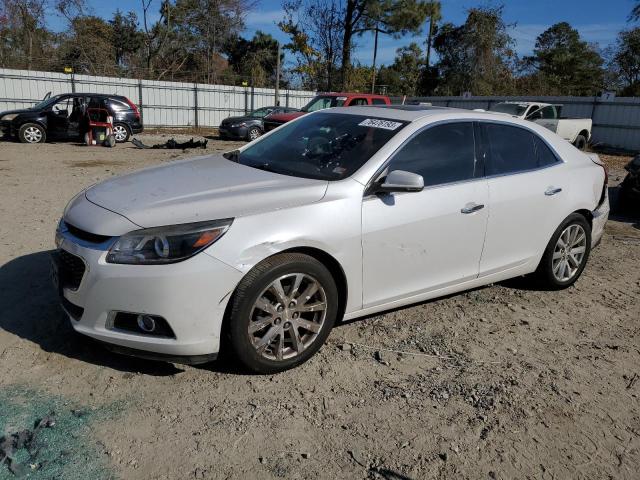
<point x="421" y="241"/>
<point x="58" y="118"/>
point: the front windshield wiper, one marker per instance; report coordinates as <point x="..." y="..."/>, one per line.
<point x="233" y="155"/>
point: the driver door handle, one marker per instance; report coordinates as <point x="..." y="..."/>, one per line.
<point x="552" y="191"/>
<point x="471" y="207"/>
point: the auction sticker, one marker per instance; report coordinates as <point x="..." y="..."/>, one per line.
<point x="377" y="123"/>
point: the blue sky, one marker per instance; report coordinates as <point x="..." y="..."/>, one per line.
<point x="597" y="20"/>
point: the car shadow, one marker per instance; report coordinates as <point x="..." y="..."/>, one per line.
<point x="29" y="309"/>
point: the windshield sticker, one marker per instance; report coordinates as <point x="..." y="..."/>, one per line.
<point x="377" y="123"/>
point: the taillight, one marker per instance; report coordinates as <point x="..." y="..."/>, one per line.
<point x="134" y="107"/>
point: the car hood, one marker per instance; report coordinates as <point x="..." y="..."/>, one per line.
<point x="22" y="110"/>
<point x="204" y="188"/>
<point x="240" y="119"/>
<point x="285" y="117"/>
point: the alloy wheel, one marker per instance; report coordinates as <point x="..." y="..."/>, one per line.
<point x="32" y="135"/>
<point x="287" y="316"/>
<point x="569" y="252"/>
<point x="120" y="132"/>
<point x="254" y="133"/>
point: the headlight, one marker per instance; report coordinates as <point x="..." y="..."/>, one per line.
<point x="236" y="125"/>
<point x="169" y="244"/>
<point x="9" y="117"/>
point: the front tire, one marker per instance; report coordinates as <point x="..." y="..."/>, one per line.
<point x="121" y="132"/>
<point x="32" y="133"/>
<point x="281" y="313"/>
<point x="566" y="254"/>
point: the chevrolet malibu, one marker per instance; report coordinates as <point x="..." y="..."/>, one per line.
<point x="339" y="214"/>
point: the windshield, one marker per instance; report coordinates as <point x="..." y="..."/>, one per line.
<point x="260" y="112"/>
<point x="324" y="146"/>
<point x="47" y="102"/>
<point x="509" y="108"/>
<point x="320" y="103"/>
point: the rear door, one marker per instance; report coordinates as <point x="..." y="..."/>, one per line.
<point x="527" y="185"/>
<point x="417" y="242"/>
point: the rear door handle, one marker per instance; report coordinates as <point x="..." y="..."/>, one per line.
<point x="552" y="191"/>
<point x="471" y="207"/>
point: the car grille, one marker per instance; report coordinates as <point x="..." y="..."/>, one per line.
<point x="71" y="270"/>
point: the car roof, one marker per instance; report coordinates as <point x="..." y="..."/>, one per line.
<point x="349" y="94"/>
<point x="412" y="113"/>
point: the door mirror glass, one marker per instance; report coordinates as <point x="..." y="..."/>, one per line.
<point x="401" y="181"/>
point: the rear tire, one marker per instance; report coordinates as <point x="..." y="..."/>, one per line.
<point x="121" y="132"/>
<point x="253" y="133"/>
<point x="581" y="142"/>
<point x="266" y="329"/>
<point x="566" y="254"/>
<point x="32" y="133"/>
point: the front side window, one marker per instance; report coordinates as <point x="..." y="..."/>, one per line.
<point x="511" y="149"/>
<point x="63" y="107"/>
<point x="321" y="102"/>
<point x="441" y="154"/>
<point x="548" y="112"/>
<point x="324" y="146"/>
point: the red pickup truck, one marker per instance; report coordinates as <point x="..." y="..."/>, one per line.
<point x="326" y="100"/>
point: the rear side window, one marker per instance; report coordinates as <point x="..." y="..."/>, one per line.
<point x="511" y="149"/>
<point x="545" y="156"/>
<point x="441" y="154"/>
<point x="378" y="101"/>
<point x="118" y="105"/>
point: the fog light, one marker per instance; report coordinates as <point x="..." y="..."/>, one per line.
<point x="146" y="323"/>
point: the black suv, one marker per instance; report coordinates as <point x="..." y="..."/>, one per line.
<point x="251" y="126"/>
<point x="63" y="117"/>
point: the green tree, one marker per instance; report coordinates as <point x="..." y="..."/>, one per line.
<point x="88" y="47"/>
<point x="25" y="41"/>
<point x="393" y="17"/>
<point x="570" y="65"/>
<point x="315" y="31"/>
<point x="127" y="38"/>
<point x="635" y="13"/>
<point x="477" y="56"/>
<point x="435" y="15"/>
<point x="625" y="63"/>
<point x="255" y="59"/>
<point x="402" y="77"/>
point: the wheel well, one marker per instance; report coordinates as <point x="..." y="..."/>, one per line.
<point x="334" y="268"/>
<point x="586" y="214"/>
<point x="585" y="134"/>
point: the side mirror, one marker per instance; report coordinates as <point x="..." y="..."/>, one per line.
<point x="401" y="181"/>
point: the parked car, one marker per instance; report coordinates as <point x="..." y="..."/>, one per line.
<point x="327" y="100"/>
<point x="62" y="117"/>
<point x="340" y="214"/>
<point x="251" y="126"/>
<point x="574" y="130"/>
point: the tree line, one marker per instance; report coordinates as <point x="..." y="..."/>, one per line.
<point x="201" y="41"/>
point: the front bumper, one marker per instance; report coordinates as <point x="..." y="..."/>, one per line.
<point x="191" y="296"/>
<point x="227" y="131"/>
<point x="5" y="129"/>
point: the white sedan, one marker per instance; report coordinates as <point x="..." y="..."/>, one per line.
<point x="339" y="214"/>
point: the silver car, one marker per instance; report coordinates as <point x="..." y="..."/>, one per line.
<point x="339" y="214"/>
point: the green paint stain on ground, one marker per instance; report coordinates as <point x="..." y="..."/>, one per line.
<point x="67" y="450"/>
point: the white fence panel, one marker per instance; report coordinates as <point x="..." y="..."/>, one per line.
<point x="163" y="104"/>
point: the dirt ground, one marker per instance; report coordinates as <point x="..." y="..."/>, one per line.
<point x="500" y="382"/>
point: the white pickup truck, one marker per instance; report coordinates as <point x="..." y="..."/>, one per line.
<point x="575" y="130"/>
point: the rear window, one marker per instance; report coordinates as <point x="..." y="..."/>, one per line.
<point x="378" y="101"/>
<point x="324" y="146"/>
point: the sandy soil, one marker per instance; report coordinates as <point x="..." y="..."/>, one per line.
<point x="500" y="382"/>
